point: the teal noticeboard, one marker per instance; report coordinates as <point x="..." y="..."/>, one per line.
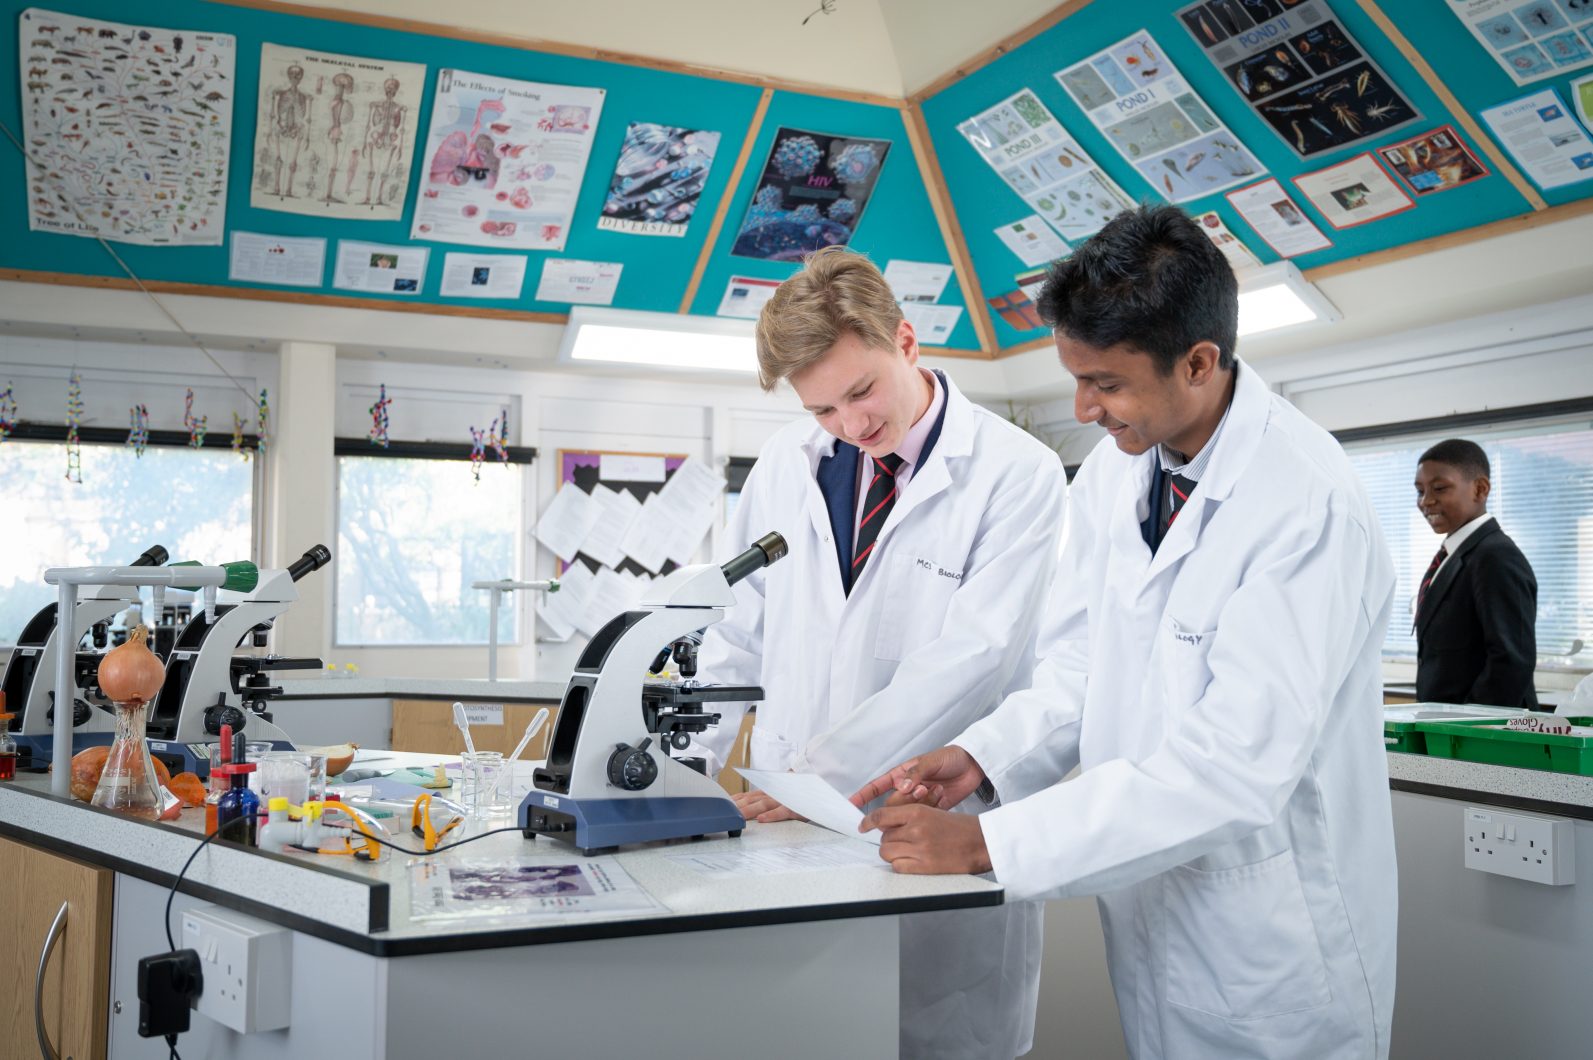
<point x="982" y="201"/>
<point x="898" y="222"/>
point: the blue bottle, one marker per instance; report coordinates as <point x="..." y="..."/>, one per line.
<point x="238" y="801"/>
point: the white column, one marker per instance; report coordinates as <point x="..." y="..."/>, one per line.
<point x="303" y="490"/>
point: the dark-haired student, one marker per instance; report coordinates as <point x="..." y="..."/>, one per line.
<point x="1211" y="663"/>
<point x="1477" y="602"/>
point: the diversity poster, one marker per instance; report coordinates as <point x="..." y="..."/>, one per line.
<point x="658" y="179"/>
<point x="504" y="161"/>
<point x="1300" y="70"/>
<point x="1140" y="102"/>
<point x="1024" y="143"/>
<point x="812" y="194"/>
<point x="1434" y="161"/>
<point x="127" y="129"/>
<point x="1531" y="39"/>
<point x="334" y="134"/>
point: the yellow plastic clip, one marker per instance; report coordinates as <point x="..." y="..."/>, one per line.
<point x="367" y="849"/>
<point x="421" y="824"/>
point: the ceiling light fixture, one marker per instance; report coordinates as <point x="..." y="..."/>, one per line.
<point x="1277" y="297"/>
<point x="671" y="341"/>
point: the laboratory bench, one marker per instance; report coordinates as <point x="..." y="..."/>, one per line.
<point x="727" y="958"/>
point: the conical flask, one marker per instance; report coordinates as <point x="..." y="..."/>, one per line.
<point x="128" y="784"/>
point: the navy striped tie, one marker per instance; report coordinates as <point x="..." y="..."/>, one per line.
<point x="876" y="509"/>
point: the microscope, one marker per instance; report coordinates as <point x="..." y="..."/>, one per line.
<point x="604" y="785"/>
<point x="29" y="681"/>
<point x="207" y="686"/>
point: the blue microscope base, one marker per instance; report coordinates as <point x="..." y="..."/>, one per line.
<point x="194" y="757"/>
<point x="41" y="749"/>
<point x="598" y="824"/>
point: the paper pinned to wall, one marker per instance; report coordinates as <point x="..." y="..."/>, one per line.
<point x="1267" y="208"/>
<point x="483" y="275"/>
<point x="1238" y="255"/>
<point x="1545" y="140"/>
<point x="389" y="269"/>
<point x="567" y="521"/>
<point x="293" y="261"/>
<point x="917" y="281"/>
<point x="611" y="594"/>
<point x="1033" y="241"/>
<point x="579" y="282"/>
<point x="626" y="467"/>
<point x="617" y="509"/>
<point x="1531" y="39"/>
<point x="562" y="611"/>
<point x="933" y="324"/>
<point x="646" y="540"/>
<point x="745" y="296"/>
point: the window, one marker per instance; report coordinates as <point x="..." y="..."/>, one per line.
<point x="412" y="536"/>
<point x="197" y="503"/>
<point x="1542" y="495"/>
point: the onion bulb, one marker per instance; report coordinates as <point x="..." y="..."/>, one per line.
<point x="130" y="672"/>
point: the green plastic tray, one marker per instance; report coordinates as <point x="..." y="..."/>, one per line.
<point x="1491" y="743"/>
<point x="1400" y="721"/>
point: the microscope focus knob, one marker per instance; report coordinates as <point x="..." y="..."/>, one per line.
<point x="632" y="768"/>
<point x="222" y="714"/>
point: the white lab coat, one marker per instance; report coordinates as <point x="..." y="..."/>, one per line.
<point x="940" y="626"/>
<point x="1223" y="700"/>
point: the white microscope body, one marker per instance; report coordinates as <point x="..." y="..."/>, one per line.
<point x="203" y="688"/>
<point x="30" y="672"/>
<point x="604" y="784"/>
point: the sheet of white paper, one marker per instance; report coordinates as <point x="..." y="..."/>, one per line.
<point x="583" y="282"/>
<point x="932" y="324"/>
<point x="380" y="267"/>
<point x="562" y="611"/>
<point x="772" y="861"/>
<point x="523" y="886"/>
<point x="1232" y="248"/>
<point x="917" y="281"/>
<point x="483" y="275"/>
<point x="1548" y="143"/>
<point x="688" y="504"/>
<point x="567" y="520"/>
<point x="811" y="796"/>
<point x="617" y="509"/>
<point x="745" y="295"/>
<point x="620" y="467"/>
<point x="1033" y="241"/>
<point x="292" y="261"/>
<point x="649" y="536"/>
<point x="1267" y="208"/>
<point x="610" y="595"/>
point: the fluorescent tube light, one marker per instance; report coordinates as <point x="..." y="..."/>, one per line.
<point x="671" y="341"/>
<point x="1275" y="297"/>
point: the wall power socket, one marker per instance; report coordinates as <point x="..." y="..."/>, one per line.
<point x="1526" y="846"/>
<point x="246" y="963"/>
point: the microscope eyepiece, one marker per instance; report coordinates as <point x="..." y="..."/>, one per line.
<point x="153" y="556"/>
<point x="314" y="559"/>
<point x="763" y="552"/>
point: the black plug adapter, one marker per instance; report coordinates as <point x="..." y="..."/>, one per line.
<point x="168" y="986"/>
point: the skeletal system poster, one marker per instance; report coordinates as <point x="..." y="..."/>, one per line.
<point x="1028" y="147"/>
<point x="335" y="134"/>
<point x="504" y="161"/>
<point x="1300" y="70"/>
<point x="658" y="179"/>
<point x="127" y="129"/>
<point x="812" y="194"/>
<point x="1135" y="96"/>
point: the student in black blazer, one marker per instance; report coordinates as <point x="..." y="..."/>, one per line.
<point x="1478" y="600"/>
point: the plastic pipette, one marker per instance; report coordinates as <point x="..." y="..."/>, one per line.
<point x="463" y="723"/>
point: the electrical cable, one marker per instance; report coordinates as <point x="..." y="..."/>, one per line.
<point x="131" y="275"/>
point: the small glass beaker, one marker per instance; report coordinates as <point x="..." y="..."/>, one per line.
<point x="298" y="776"/>
<point x="480" y="791"/>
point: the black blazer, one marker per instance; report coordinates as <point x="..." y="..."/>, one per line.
<point x="1475" y="636"/>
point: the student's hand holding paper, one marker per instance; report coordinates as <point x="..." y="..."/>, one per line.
<point x="764" y="808"/>
<point x="924" y="841"/>
<point x="940" y="779"/>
